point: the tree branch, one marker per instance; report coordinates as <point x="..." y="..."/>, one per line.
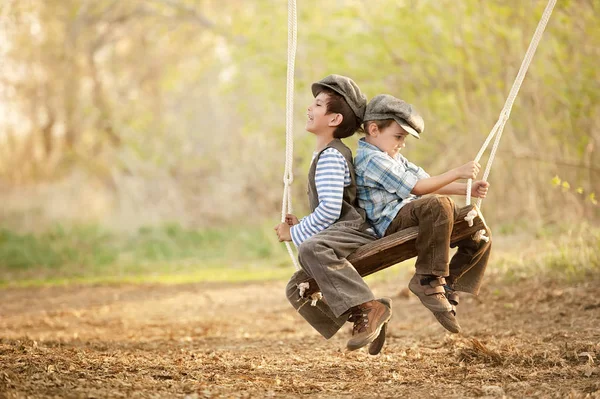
<point x="532" y="158"/>
<point x="193" y="15"/>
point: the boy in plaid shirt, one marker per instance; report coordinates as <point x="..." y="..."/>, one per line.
<point x="390" y="189"/>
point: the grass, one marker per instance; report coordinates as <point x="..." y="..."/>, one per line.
<point x="171" y="254"/>
<point x="559" y="252"/>
<point x="212" y="275"/>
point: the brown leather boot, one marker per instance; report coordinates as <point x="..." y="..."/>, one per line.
<point x="368" y="319"/>
<point x="377" y="345"/>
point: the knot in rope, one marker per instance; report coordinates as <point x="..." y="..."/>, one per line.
<point x="471" y="216"/>
<point x="505" y="114"/>
<point x="302" y="287"/>
<point x="287" y="180"/>
<point x="315" y="298"/>
<point x="480" y="236"/>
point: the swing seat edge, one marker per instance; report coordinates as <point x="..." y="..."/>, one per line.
<point x="400" y="246"/>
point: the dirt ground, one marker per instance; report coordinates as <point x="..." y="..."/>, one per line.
<point x="521" y="339"/>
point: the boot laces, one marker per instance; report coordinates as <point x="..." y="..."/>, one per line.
<point x="360" y="319"/>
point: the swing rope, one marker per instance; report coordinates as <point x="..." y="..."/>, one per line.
<point x="505" y="113"/>
<point x="288" y="175"/>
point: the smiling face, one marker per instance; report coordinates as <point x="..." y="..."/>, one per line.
<point x="389" y="139"/>
<point x="319" y="121"/>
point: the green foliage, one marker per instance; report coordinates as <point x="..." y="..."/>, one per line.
<point x="173" y="242"/>
<point x="88" y="251"/>
<point x="57" y="248"/>
<point x="195" y="91"/>
<point x="560" y="252"/>
<point x="575" y="255"/>
<point x="566" y="187"/>
<point x="456" y="63"/>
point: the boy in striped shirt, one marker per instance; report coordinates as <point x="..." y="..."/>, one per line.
<point x="336" y="227"/>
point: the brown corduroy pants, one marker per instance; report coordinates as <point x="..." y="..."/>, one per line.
<point x="435" y="216"/>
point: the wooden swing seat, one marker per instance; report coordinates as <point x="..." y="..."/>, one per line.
<point x="400" y="246"/>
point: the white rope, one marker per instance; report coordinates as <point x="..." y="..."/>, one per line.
<point x="288" y="175"/>
<point x="505" y="113"/>
<point x="480" y="236"/>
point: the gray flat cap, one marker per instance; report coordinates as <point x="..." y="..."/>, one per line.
<point x="385" y="106"/>
<point x="345" y="87"/>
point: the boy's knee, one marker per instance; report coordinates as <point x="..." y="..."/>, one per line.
<point x="307" y="249"/>
<point x="443" y="204"/>
<point x="445" y="201"/>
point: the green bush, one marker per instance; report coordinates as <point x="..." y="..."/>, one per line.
<point x="93" y="251"/>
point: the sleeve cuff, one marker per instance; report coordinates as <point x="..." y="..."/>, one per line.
<point x="410" y="181"/>
<point x="296" y="239"/>
<point x="421" y="174"/>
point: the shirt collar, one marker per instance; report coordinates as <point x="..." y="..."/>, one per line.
<point x="362" y="144"/>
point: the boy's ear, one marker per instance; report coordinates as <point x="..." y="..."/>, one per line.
<point x="336" y="119"/>
<point x="372" y="129"/>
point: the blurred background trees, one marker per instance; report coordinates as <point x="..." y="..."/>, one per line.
<point x="134" y="113"/>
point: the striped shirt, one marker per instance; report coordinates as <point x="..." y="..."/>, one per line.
<point x="331" y="176"/>
<point x="383" y="184"/>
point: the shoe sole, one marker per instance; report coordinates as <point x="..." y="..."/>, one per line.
<point x="376" y="346"/>
<point x="446" y="322"/>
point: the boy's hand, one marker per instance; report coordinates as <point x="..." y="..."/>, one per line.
<point x="283" y="232"/>
<point x="468" y="170"/>
<point x="291" y="219"/>
<point x="479" y="189"/>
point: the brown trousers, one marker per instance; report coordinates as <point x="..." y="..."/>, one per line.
<point x="435" y="216"/>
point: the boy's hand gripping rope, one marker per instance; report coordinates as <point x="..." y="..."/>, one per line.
<point x="505" y="113"/>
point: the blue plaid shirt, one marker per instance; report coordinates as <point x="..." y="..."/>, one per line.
<point x="384" y="184"/>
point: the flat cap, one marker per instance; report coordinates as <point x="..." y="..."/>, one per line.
<point x="385" y="106"/>
<point x="345" y="87"/>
